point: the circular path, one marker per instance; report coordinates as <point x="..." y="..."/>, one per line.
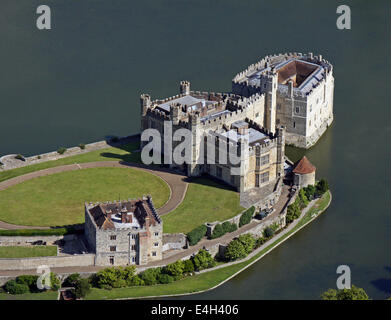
<point x="175" y="181"/>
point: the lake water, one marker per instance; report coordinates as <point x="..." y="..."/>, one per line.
<point x="81" y="81"/>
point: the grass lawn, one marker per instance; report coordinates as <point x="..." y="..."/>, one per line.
<point x="58" y="199"/>
<point x="27" y="252"/>
<point x="205" y="201"/>
<point x="123" y="153"/>
<point x="205" y="280"/>
<point x="46" y="295"/>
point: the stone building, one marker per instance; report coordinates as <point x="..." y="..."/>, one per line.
<point x="298" y="90"/>
<point x="304" y="173"/>
<point x="124" y="232"/>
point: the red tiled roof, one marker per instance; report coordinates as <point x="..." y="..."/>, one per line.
<point x="304" y="166"/>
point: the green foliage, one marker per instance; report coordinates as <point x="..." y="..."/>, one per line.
<point x="248" y="242"/>
<point x="14" y="287"/>
<point x="203" y="260"/>
<point x="135" y="281"/>
<point x="150" y="276"/>
<point x="82" y="288"/>
<point x="82" y="146"/>
<point x="165" y="278"/>
<point x="246" y="216"/>
<point x="235" y="250"/>
<point x="175" y="269"/>
<point x="293" y="212"/>
<point x="55" y="282"/>
<point x="108" y="277"/>
<point x="61" y="150"/>
<point x="322" y="186"/>
<point x="196" y="234"/>
<point x="30" y="281"/>
<point x="268" y="232"/>
<point x="189" y="266"/>
<point x="71" y="280"/>
<point x="221" y="229"/>
<point x="259" y="241"/>
<point x="20" y="157"/>
<point x="354" y="293"/>
<point x="310" y="192"/>
<point x="303" y="201"/>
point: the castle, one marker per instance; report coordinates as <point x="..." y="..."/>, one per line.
<point x="124" y="232"/>
<point x="285" y="98"/>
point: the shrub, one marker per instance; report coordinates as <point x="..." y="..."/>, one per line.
<point x="61" y="150"/>
<point x="293" y="212"/>
<point x="71" y="280"/>
<point x="82" y="288"/>
<point x="107" y="277"/>
<point x="55" y="282"/>
<point x="260" y="241"/>
<point x="248" y="242"/>
<point x="189" y="266"/>
<point x="150" y="276"/>
<point x="268" y="232"/>
<point x="165" y="278"/>
<point x="175" y="269"/>
<point x="135" y="281"/>
<point x="39" y="157"/>
<point x="29" y="280"/>
<point x="218" y="231"/>
<point x="82" y="146"/>
<point x="195" y="235"/>
<point x="246" y="217"/>
<point x="303" y="201"/>
<point x="322" y="186"/>
<point x="13" y="287"/>
<point x="229" y="227"/>
<point x="235" y="250"/>
<point x="203" y="260"/>
<point x="20" y="157"/>
<point x="310" y="192"/>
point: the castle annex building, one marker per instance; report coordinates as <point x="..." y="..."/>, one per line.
<point x="286" y="98"/>
<point x="124" y="232"/>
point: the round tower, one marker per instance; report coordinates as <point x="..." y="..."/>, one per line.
<point x="184" y="87"/>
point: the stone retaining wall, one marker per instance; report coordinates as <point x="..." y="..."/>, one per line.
<point x="23" y="241"/>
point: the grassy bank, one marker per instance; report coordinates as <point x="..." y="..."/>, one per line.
<point x="27" y="252"/>
<point x="58" y="199"/>
<point x="46" y="295"/>
<point x="205" y="280"/>
<point x="205" y="201"/>
<point x="123" y="153"/>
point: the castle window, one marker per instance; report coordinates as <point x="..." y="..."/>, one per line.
<point x="111" y="260"/>
<point x="156" y="234"/>
<point x="133" y="247"/>
<point x="257" y="161"/>
<point x="113" y="237"/>
<point x="310" y="107"/>
<point x="264" y="160"/>
<point x="257" y="115"/>
<point x="156" y="244"/>
<point x="134" y="236"/>
<point x="153" y="253"/>
<point x="113" y="248"/>
<point x="317" y="100"/>
<point x="297" y="109"/>
<point x="294" y="124"/>
<point x="278" y="106"/>
<point x="265" y="177"/>
<point x="257" y="180"/>
<point x="133" y="259"/>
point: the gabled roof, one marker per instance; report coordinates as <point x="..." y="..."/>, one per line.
<point x="304" y="166"/>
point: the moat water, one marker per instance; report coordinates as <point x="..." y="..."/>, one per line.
<point x="81" y="81"/>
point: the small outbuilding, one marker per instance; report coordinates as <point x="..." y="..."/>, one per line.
<point x="304" y="173"/>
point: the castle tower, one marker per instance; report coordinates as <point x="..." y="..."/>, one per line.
<point x="174" y="113"/>
<point x="271" y="97"/>
<point x="145" y="103"/>
<point x="184" y="87"/>
<point x="193" y="168"/>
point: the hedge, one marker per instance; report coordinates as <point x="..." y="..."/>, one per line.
<point x="246" y="216"/>
<point x="221" y="229"/>
<point x="196" y="234"/>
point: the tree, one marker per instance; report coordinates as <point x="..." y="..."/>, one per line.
<point x="354" y="293"/>
<point x="235" y="250"/>
<point x="150" y="276"/>
<point x="82" y="288"/>
<point x="322" y="186"/>
<point x="293" y="212"/>
<point x="310" y="192"/>
<point x="13" y="287"/>
<point x="175" y="269"/>
<point x="246" y="217"/>
<point x="248" y="242"/>
<point x="303" y="199"/>
<point x="268" y="232"/>
<point x="30" y="281"/>
<point x="196" y="234"/>
<point x="107" y="277"/>
<point x="203" y="260"/>
<point x="189" y="266"/>
<point x="165" y="278"/>
<point x="71" y="280"/>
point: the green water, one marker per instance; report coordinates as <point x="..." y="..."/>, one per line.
<point x="81" y="81"/>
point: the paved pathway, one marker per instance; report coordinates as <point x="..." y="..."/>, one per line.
<point x="175" y="181"/>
